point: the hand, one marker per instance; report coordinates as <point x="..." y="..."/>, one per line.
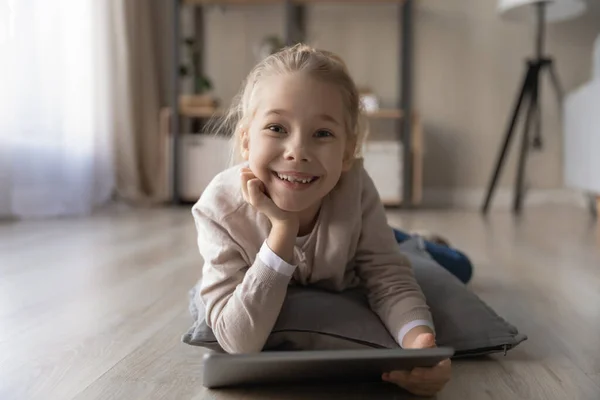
<point x="422" y="381"/>
<point x="255" y="193"/>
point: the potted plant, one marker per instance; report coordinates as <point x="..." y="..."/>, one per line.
<point x="202" y="96"/>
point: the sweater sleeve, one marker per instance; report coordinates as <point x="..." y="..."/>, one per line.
<point x="394" y="293"/>
<point x="242" y="301"/>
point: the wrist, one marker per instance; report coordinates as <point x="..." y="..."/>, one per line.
<point x="408" y="342"/>
<point x="281" y="240"/>
<point x="286" y="227"/>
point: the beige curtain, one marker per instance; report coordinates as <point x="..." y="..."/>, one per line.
<point x="139" y="57"/>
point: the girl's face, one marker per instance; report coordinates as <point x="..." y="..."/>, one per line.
<point x="296" y="142"/>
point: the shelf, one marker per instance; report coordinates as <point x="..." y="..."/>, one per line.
<point x="408" y="125"/>
<point x="200" y="112"/>
<point x="249" y="2"/>
<point x="208" y="112"/>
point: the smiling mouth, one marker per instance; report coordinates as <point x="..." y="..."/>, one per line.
<point x="300" y="180"/>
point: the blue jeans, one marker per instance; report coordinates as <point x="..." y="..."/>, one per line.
<point x="451" y="259"/>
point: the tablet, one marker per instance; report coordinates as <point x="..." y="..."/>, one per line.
<point x="331" y="366"/>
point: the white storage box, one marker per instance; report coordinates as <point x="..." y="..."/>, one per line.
<point x="202" y="157"/>
<point x="383" y="162"/>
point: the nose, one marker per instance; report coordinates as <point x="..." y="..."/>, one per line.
<point x="297" y="150"/>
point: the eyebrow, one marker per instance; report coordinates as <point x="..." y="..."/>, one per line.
<point x="324" y="117"/>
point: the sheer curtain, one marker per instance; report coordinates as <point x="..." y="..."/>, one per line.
<point x="56" y="144"/>
<point x="80" y="91"/>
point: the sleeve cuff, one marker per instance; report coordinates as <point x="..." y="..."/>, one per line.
<point x="274" y="262"/>
<point x="413" y="324"/>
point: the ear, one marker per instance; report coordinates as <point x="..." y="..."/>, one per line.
<point x="245" y="145"/>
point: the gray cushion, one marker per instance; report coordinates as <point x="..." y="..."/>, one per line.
<point x="462" y="320"/>
<point x="313" y="319"/>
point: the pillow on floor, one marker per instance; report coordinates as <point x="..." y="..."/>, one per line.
<point x="462" y="320"/>
<point x="313" y="319"/>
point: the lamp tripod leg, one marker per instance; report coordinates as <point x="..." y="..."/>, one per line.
<point x="524" y="91"/>
<point x="533" y="110"/>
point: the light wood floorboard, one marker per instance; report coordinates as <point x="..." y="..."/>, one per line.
<point x="94" y="308"/>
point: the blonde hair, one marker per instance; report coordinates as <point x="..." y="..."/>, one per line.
<point x="319" y="64"/>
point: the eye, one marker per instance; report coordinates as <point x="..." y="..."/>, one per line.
<point x="323" y="134"/>
<point x="276" y="128"/>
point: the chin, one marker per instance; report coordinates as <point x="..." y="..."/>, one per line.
<point x="291" y="205"/>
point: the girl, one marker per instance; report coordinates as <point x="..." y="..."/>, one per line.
<point x="301" y="208"/>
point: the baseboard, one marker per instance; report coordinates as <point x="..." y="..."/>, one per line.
<point x="503" y="198"/>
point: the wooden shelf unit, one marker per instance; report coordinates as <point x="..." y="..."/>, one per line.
<point x="409" y="130"/>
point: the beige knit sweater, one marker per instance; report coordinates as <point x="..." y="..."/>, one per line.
<point x="350" y="245"/>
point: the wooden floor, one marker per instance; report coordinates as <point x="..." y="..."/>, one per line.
<point x="94" y="308"/>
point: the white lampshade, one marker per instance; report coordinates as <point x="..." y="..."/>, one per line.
<point x="556" y="10"/>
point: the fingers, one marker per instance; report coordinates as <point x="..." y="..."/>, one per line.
<point x="397" y="376"/>
<point x="255" y="191"/>
<point x="422" y="381"/>
<point x="447" y="363"/>
<point x="256" y="194"/>
<point x="245" y="176"/>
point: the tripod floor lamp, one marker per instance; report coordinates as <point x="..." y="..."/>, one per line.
<point x="528" y="99"/>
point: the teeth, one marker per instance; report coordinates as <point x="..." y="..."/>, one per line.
<point x="292" y="179"/>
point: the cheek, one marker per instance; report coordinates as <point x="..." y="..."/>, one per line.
<point x="255" y="147"/>
<point x="261" y="151"/>
<point x="333" y="155"/>
<point x="260" y="154"/>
